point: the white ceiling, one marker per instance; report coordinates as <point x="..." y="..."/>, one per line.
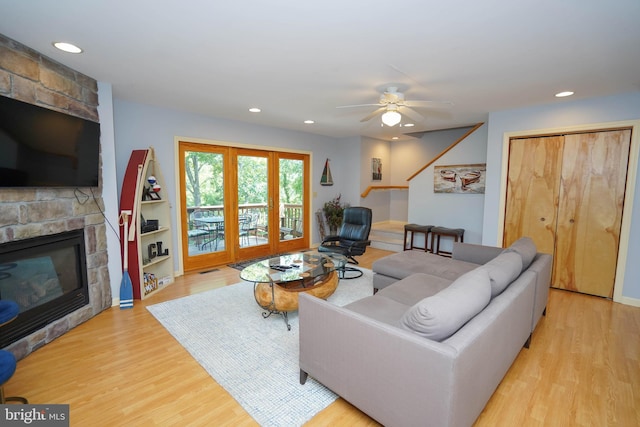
<point x="298" y="59"/>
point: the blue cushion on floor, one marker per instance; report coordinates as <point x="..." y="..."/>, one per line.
<point x="7" y="366"/>
<point x="8" y="310"/>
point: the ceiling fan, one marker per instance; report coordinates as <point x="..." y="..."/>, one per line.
<point x="393" y="105"/>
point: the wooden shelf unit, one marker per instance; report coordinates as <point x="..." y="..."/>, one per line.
<point x="150" y="253"/>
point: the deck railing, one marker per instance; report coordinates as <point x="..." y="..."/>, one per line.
<point x="291" y="215"/>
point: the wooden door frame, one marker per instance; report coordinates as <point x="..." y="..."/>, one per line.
<point x="178" y="212"/>
<point x="632" y="172"/>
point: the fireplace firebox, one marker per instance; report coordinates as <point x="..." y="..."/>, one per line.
<point x="47" y="277"/>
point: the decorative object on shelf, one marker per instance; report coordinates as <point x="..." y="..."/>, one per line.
<point x="155" y="250"/>
<point x="326" y="179"/>
<point x="150" y="193"/>
<point x="149" y="225"/>
<point x="333" y="211"/>
<point x="376" y="169"/>
<point x="461" y="179"/>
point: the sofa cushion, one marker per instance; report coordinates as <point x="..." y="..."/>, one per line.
<point x="404" y="264"/>
<point x="379" y="308"/>
<point x="525" y="247"/>
<point x="503" y="270"/>
<point x="441" y="315"/>
<point x="414" y="288"/>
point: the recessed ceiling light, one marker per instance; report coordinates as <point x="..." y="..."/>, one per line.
<point x="563" y="94"/>
<point x="408" y="125"/>
<point x="309" y="122"/>
<point x="395" y="137"/>
<point x="254" y="110"/>
<point x="67" y="47"/>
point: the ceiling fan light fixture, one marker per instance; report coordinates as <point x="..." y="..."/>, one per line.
<point x="391" y="118"/>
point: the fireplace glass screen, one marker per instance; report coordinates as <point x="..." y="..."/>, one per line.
<point x="46" y="277"/>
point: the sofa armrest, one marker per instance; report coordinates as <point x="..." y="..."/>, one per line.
<point x="388" y="373"/>
<point x="477" y="254"/>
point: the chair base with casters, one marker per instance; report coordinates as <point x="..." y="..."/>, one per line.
<point x="352" y="239"/>
<point x="344" y="272"/>
<point x="8" y="311"/>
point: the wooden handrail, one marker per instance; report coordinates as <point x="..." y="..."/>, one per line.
<point x="405" y="187"/>
<point x="473" y="129"/>
<point x="383" y="187"/>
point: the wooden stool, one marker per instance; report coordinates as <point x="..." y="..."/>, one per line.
<point x="437" y="232"/>
<point x="416" y="228"/>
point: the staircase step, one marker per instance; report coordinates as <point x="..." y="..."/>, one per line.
<point x="387" y="235"/>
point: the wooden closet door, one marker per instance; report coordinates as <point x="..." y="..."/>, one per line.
<point x="532" y="190"/>
<point x="592" y="188"/>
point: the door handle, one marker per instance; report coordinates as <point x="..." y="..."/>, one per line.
<point x="571" y="221"/>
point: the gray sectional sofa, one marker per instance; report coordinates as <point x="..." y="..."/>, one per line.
<point x="432" y="345"/>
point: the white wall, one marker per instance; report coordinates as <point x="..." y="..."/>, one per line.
<point x="450" y="210"/>
<point x="110" y="187"/>
<point x="379" y="201"/>
<point x="139" y="126"/>
<point x="563" y="114"/>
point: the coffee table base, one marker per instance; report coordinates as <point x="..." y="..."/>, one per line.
<point x="280" y="298"/>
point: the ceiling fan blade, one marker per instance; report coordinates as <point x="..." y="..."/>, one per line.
<point x="428" y="104"/>
<point x="416" y="117"/>
<point x="360" y="105"/>
<point x="373" y="114"/>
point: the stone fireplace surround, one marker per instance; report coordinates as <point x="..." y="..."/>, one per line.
<point x="30" y="212"/>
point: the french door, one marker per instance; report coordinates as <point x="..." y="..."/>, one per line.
<point x="239" y="203"/>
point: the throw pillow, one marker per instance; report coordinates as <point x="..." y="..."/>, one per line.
<point x="503" y="270"/>
<point x="439" y="316"/>
<point x="525" y="247"/>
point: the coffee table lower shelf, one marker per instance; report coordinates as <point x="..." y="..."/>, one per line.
<point x="280" y="298"/>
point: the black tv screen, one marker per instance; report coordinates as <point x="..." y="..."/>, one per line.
<point x="40" y="147"/>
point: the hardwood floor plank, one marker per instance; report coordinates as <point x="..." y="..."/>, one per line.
<point x="123" y="368"/>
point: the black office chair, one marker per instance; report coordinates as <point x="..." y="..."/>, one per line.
<point x="352" y="238"/>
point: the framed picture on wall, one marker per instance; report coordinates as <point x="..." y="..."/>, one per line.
<point x="463" y="179"/>
<point x="376" y="169"/>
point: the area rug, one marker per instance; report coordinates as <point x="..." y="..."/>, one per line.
<point x="253" y="358"/>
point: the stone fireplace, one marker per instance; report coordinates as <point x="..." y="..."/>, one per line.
<point x="27" y="213"/>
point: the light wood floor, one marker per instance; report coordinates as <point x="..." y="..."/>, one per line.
<point x="123" y="368"/>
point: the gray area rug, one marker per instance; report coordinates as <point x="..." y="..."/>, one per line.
<point x="253" y="358"/>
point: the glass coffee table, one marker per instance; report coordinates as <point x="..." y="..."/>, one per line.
<point x="278" y="281"/>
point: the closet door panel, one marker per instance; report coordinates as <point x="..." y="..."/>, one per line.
<point x="532" y="190"/>
<point x="592" y="188"/>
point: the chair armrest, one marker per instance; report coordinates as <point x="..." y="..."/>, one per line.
<point x="476" y="254"/>
<point x="329" y="239"/>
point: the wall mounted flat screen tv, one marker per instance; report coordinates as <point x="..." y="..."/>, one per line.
<point x="40" y="147"/>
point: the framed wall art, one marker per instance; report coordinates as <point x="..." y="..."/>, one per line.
<point x="376" y="169"/>
<point x="462" y="179"/>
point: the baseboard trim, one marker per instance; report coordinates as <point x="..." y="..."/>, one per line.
<point x="635" y="302"/>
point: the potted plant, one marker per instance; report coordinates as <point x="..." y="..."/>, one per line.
<point x="333" y="210"/>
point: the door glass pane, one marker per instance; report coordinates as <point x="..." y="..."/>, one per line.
<point x="204" y="180"/>
<point x="253" y="196"/>
<point x="291" y="198"/>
